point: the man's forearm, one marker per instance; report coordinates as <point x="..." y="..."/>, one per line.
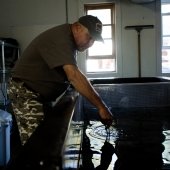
<point x="83" y="86"/>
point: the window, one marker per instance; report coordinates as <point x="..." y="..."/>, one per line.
<point x="165" y="11"/>
<point x="101" y="57"/>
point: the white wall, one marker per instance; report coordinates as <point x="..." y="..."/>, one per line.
<point x="135" y="14"/>
<point x="24" y="19"/>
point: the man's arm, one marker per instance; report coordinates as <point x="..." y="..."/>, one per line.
<point x="83" y="86"/>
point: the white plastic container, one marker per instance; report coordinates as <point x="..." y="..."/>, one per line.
<point x="5" y="124"/>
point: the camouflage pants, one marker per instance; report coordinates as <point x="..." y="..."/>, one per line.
<point x="27" y="109"/>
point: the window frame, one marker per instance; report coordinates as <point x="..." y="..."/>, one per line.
<point x="165" y="14"/>
<point x="164" y="2"/>
<point x="110" y="6"/>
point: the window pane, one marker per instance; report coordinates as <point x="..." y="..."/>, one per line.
<point x="107" y="32"/>
<point x="166" y="61"/>
<point x="100" y="65"/>
<point x="165" y="38"/>
<point x="100" y="49"/>
<point x="166" y="41"/>
<point x="165" y="8"/>
<point x="103" y="14"/>
<point x="166" y="25"/>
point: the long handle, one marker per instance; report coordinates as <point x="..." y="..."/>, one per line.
<point x="139" y="55"/>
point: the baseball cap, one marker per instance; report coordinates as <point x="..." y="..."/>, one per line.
<point x="94" y="26"/>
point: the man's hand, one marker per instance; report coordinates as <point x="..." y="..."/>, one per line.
<point x="106" y="117"/>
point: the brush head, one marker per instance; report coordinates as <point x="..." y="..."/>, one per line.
<point x="139" y="27"/>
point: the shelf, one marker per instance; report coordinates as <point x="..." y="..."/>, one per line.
<point x="7" y="44"/>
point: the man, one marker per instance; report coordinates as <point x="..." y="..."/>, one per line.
<point x="47" y="67"/>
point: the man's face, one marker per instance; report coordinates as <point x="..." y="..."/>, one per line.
<point x="83" y="39"/>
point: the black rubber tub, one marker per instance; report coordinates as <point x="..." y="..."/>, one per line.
<point x="140" y="139"/>
<point x="131" y="95"/>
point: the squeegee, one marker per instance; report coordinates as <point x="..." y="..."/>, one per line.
<point x="139" y="28"/>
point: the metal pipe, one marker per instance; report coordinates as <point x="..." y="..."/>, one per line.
<point x="3" y="57"/>
<point x="66" y="11"/>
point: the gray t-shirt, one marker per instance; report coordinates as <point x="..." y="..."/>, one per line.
<point x="41" y="64"/>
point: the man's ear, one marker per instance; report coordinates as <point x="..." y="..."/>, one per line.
<point x="79" y="27"/>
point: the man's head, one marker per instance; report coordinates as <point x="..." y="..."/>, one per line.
<point x="94" y="26"/>
<point x="87" y="30"/>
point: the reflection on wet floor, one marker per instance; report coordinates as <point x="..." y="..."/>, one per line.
<point x="71" y="158"/>
<point x="133" y="144"/>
